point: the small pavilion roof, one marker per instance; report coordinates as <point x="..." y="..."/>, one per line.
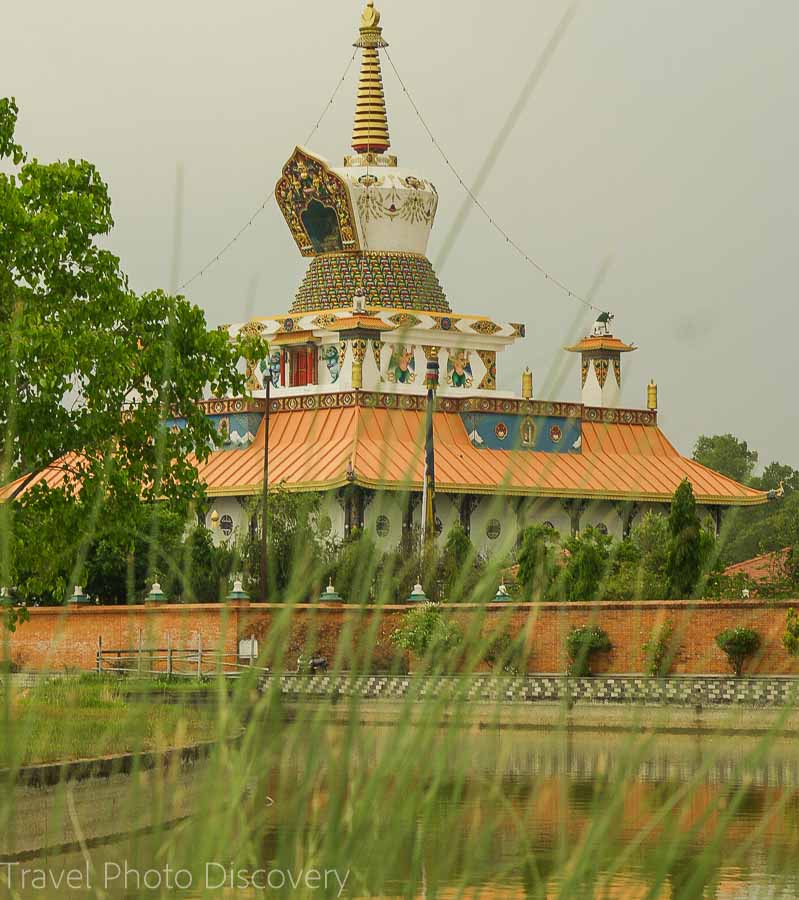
<point x="361" y="320"/>
<point x="601" y="342"/>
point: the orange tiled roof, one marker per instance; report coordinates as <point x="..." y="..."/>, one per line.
<point x="765" y="567"/>
<point x="383" y="448"/>
<point x="52" y="475"/>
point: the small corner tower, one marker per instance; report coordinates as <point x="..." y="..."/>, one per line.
<point x="601" y="364"/>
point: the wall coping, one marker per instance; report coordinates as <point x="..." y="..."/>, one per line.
<point x="588" y="606"/>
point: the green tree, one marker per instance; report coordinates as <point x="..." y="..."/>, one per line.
<point x="763" y="529"/>
<point x="684" y="564"/>
<point x="355" y="568"/>
<point x="638" y="564"/>
<point x="123" y="555"/>
<point x="457" y="567"/>
<point x="588" y="557"/>
<point x="91" y="373"/>
<point x="296" y="559"/>
<point x="726" y="454"/>
<point x="537" y="548"/>
<point x="777" y="474"/>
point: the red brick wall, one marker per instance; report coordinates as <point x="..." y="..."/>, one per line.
<point x="61" y="638"/>
<point x="58" y="638"/>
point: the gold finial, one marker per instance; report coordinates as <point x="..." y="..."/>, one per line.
<point x="652" y="395"/>
<point x="370" y="17"/>
<point x="370" y="133"/>
<point x="527" y="384"/>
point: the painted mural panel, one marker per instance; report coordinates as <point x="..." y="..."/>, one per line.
<point x="501" y="431"/>
<point x="236" y="430"/>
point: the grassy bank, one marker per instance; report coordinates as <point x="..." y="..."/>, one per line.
<point x="90" y="717"/>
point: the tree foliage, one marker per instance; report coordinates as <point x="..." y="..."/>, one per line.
<point x="427" y="633"/>
<point x="684" y="563"/>
<point x="660" y="649"/>
<point x="790" y="640"/>
<point x="537" y="559"/>
<point x="726" y="454"/>
<point x="582" y="644"/>
<point x="12" y="616"/>
<point x="738" y="644"/>
<point x="458" y="574"/>
<point x="587" y="560"/>
<point x="506" y="653"/>
<point x="90" y="371"/>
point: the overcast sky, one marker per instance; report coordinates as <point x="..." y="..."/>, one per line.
<point x="661" y="142"/>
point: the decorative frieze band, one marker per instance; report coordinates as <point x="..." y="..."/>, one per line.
<point x="418" y="402"/>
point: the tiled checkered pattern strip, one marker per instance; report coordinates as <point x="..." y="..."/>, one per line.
<point x="678" y="691"/>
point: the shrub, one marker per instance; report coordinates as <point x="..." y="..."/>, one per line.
<point x="427" y="633"/>
<point x="738" y="644"/>
<point x="583" y="643"/>
<point x="790" y="640"/>
<point x="387" y="661"/>
<point x="506" y="653"/>
<point x="659" y="650"/>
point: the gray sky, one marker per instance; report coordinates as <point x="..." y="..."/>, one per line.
<point x="660" y="137"/>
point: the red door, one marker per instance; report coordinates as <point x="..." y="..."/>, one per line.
<point x="299" y="367"/>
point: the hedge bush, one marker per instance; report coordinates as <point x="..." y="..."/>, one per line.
<point x="584" y="643"/>
<point x="738" y="644"/>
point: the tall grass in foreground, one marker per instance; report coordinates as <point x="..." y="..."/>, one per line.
<point x="404" y="798"/>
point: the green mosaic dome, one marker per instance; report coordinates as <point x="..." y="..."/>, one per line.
<point x="389" y="279"/>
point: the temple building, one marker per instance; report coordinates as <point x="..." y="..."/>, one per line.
<point x="347" y="391"/>
<point x="346" y="387"/>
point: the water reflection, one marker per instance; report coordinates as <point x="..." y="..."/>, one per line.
<point x="520" y="814"/>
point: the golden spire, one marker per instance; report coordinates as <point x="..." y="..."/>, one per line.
<point x="370" y="133"/>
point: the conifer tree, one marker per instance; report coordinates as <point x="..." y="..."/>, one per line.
<point x="684" y="563"/>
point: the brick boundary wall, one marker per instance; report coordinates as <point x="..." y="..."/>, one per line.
<point x="60" y="639"/>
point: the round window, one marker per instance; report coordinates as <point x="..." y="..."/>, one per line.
<point x="602" y="528"/>
<point x="383" y="526"/>
<point x="549" y="525"/>
<point x="226" y="524"/>
<point x="493" y="529"/>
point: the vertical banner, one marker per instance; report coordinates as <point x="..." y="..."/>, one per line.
<point x="429" y="486"/>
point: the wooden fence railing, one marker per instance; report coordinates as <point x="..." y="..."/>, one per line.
<point x="179" y="662"/>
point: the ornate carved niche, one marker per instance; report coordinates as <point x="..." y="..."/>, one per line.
<point x="316" y="206"/>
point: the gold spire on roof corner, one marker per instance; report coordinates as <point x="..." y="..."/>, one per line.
<point x="370" y="132"/>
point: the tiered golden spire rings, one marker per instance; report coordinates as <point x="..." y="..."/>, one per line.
<point x="370" y="133"/>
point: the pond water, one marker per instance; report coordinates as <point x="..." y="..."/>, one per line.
<point x="567" y="814"/>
